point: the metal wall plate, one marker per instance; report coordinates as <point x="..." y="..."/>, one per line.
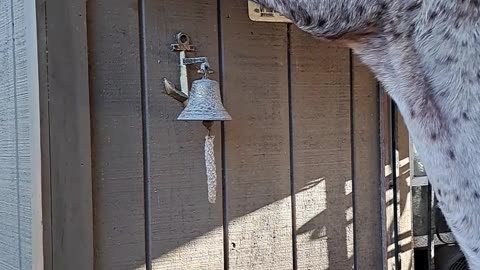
<point x="258" y="13"/>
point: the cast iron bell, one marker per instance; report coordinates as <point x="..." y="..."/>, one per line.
<point x="204" y="103"/>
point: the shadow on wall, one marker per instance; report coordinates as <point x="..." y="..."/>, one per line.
<point x="324" y="231"/>
<point x="405" y="234"/>
<point x="324" y="227"/>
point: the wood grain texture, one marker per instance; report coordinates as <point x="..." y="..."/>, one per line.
<point x="69" y="135"/>
<point x="116" y="134"/>
<point x="322" y="153"/>
<point x="187" y="231"/>
<point x="22" y="118"/>
<point x="367" y="174"/>
<point x="18" y="121"/>
<point x="23" y="93"/>
<point x="32" y="105"/>
<point x="257" y="141"/>
<point x="10" y="244"/>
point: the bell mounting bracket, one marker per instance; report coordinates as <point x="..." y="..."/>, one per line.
<point x="183" y="46"/>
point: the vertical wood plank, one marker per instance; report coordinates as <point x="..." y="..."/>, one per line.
<point x="116" y="134"/>
<point x="322" y="153"/>
<point x="34" y="164"/>
<point x="388" y="182"/>
<point x="27" y="133"/>
<point x="187" y="231"/>
<point x="257" y="141"/>
<point x="404" y="200"/>
<point x="69" y="134"/>
<point x="9" y="190"/>
<point x="383" y="101"/>
<point x="405" y="196"/>
<point x="367" y="162"/>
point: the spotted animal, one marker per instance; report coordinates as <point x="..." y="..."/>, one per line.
<point x="426" y="53"/>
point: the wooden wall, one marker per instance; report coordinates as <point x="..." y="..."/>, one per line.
<point x="300" y="168"/>
<point x="65" y="134"/>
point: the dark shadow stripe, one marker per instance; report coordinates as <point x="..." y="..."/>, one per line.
<point x="352" y="157"/>
<point x="291" y="142"/>
<point x="221" y="59"/>
<point x="393" y="162"/>
<point x="49" y="127"/>
<point x="145" y="131"/>
<point x="383" y="137"/>
<point x="381" y="172"/>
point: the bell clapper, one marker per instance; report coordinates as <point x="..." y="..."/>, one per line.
<point x="208" y="125"/>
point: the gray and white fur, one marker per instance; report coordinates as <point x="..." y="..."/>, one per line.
<point x="426" y="53"/>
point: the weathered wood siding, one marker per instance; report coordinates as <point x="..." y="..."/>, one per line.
<point x="321" y="97"/>
<point x="300" y="169"/>
<point x="65" y="134"/>
<point x="19" y="138"/>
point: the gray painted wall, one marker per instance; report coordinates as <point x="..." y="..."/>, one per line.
<point x="19" y="129"/>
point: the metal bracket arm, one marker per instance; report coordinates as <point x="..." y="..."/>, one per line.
<point x="182" y="47"/>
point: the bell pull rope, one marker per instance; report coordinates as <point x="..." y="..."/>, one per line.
<point x="211" y="168"/>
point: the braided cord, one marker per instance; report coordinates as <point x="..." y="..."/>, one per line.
<point x="211" y="168"/>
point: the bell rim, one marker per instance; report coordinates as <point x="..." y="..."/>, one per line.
<point x="229" y="118"/>
<point x="205" y="79"/>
